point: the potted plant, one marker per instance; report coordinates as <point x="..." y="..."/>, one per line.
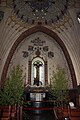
<point x="59" y="87"/>
<point x="59" y="93"/>
<point x="13" y="89"/>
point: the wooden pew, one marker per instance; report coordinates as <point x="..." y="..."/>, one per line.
<point x="74" y="114"/>
<point x="13" y="112"/>
<point x="74" y="118"/>
<point x="5" y="115"/>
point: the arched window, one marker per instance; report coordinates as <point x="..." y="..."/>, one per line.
<point x="37" y="72"/>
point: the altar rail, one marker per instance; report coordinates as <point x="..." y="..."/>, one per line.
<point x="11" y="112"/>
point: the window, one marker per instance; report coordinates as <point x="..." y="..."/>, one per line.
<point x="37" y="72"/>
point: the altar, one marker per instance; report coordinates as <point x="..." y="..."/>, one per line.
<point x="36" y="93"/>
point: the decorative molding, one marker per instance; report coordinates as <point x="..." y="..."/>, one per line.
<point x="38" y="42"/>
<point x="29" y="72"/>
<point x="38" y="46"/>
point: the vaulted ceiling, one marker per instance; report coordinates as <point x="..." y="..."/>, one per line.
<point x="63" y="22"/>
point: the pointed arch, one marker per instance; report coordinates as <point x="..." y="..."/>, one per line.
<point x="39" y="28"/>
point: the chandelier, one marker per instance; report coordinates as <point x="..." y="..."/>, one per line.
<point x="40" y="11"/>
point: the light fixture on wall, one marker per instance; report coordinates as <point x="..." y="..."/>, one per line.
<point x="78" y="17"/>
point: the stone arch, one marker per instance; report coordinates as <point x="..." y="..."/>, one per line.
<point x="39" y="28"/>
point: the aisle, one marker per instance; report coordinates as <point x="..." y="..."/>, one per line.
<point x="48" y="115"/>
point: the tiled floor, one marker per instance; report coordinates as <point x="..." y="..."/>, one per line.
<point x="47" y="115"/>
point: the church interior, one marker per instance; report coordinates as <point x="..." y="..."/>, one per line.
<point x="40" y="59"/>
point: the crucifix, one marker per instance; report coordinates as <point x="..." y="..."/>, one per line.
<point x="37" y="65"/>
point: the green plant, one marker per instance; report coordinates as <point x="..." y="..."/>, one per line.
<point x="59" y="87"/>
<point x="13" y="88"/>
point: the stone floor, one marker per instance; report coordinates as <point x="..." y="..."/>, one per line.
<point x="47" y="115"/>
